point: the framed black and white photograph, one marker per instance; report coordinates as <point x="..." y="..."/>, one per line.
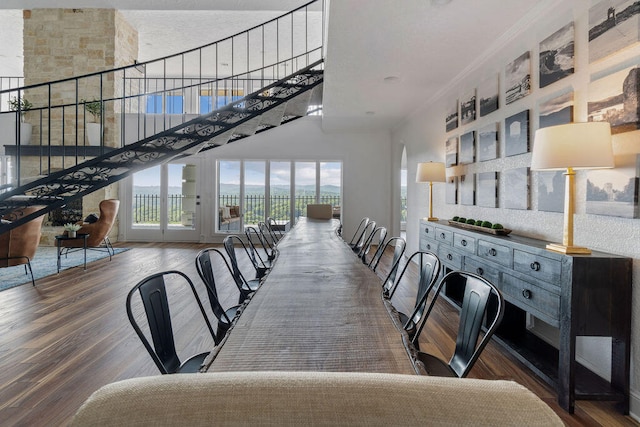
<point x="452" y="116"/>
<point x="614" y="99"/>
<point x="467" y="148"/>
<point x="518" y="78"/>
<point x="516" y="138"/>
<point x="613" y="26"/>
<point x="557" y="55"/>
<point x="451" y="151"/>
<point x="487" y="193"/>
<point x="516" y="188"/>
<point x="551" y="191"/>
<point x="451" y="190"/>
<point x="488" y="94"/>
<point x="468" y="107"/>
<point x="556" y="111"/>
<point x="488" y="142"/>
<point x="614" y="192"/>
<point x="467" y="189"/>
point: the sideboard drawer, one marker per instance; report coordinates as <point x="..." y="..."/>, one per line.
<point x="482" y="269"/>
<point x="428" y="231"/>
<point x="428" y="245"/>
<point x="444" y="236"/>
<point x="531" y="298"/>
<point x="464" y="242"/>
<point x="494" y="252"/>
<point x="543" y="268"/>
<point x="451" y="258"/>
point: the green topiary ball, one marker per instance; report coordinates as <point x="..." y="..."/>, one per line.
<point x="462" y="219"/>
<point x="497" y="226"/>
<point x="479" y="222"/>
<point x="471" y="221"/>
<point x="455" y="218"/>
<point x="486" y="224"/>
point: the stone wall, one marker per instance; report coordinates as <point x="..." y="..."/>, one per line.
<point x="63" y="43"/>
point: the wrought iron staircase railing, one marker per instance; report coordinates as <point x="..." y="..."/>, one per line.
<point x="64" y="162"/>
<point x="256" y="112"/>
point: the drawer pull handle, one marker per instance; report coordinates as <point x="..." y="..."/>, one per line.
<point x="426" y="230"/>
<point x="429" y="246"/>
<point x="480" y="271"/>
<point x="449" y="257"/>
<point x="526" y="293"/>
<point x="493" y="252"/>
<point x="442" y="235"/>
<point x="535" y="266"/>
<point x="463" y="242"/>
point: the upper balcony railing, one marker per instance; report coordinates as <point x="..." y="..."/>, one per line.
<point x="133" y="102"/>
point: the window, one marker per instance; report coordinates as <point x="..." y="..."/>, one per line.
<point x="278" y="189"/>
<point x="206" y="101"/>
<point x="173" y="104"/>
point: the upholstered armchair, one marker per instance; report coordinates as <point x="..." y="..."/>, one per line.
<point x="98" y="231"/>
<point x="18" y="246"/>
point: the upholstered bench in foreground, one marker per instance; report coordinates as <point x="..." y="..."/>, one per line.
<point x="312" y="398"/>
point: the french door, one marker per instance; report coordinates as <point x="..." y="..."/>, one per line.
<point x="165" y="203"/>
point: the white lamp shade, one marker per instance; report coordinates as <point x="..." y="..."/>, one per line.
<point x="431" y="172"/>
<point x="574" y="145"/>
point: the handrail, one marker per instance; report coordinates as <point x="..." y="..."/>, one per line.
<point x="252" y="66"/>
<point x="164" y="58"/>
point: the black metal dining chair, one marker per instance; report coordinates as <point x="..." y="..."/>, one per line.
<point x="381" y="233"/>
<point x="429" y="270"/>
<point x="359" y="231"/>
<point x="152" y="291"/>
<point x="206" y="271"/>
<point x="482" y="305"/>
<point x="275" y="229"/>
<point x="246" y="286"/>
<point x="269" y="237"/>
<point x="259" y="248"/>
<point x="366" y="231"/>
<point x="398" y="244"/>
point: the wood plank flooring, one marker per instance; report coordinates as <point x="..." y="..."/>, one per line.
<point x="68" y="336"/>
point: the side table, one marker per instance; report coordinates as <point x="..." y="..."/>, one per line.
<point x="62" y="237"/>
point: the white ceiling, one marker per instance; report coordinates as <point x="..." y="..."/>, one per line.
<point x="426" y="46"/>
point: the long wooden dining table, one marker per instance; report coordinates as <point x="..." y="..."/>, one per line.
<point x="319" y="309"/>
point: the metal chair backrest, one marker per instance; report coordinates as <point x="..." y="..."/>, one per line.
<point x="268" y="236"/>
<point x="257" y="247"/>
<point x="430" y="267"/>
<point x="153" y="293"/>
<point x="482" y="303"/>
<point x="273" y="226"/>
<point x="381" y="232"/>
<point x="359" y="231"/>
<point x="399" y="248"/>
<point x="368" y="229"/>
<point x="238" y="277"/>
<point x="204" y="267"/>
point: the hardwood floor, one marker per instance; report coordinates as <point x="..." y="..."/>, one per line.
<point x="68" y="336"/>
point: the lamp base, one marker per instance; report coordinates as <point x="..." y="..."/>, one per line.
<point x="557" y="247"/>
<point x="431" y="218"/>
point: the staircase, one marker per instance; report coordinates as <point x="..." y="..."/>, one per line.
<point x="274" y="105"/>
<point x="270" y="106"/>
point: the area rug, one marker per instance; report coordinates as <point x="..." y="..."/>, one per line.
<point x="44" y="264"/>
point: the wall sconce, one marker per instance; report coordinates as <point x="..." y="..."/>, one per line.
<point x="572" y="146"/>
<point x="431" y="172"/>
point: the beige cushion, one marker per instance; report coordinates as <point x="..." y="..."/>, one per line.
<point x="319" y="211"/>
<point x="312" y="398"/>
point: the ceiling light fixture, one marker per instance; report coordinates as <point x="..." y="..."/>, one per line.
<point x="391" y="79"/>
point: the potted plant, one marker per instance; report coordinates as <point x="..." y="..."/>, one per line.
<point x="25" y="128"/>
<point x="93" y="127"/>
<point x="71" y="229"/>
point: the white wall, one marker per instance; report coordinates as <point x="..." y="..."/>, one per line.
<point x="366" y="170"/>
<point x="424" y="136"/>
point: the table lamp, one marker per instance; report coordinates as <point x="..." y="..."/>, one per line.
<point x="572" y="146"/>
<point x="431" y="172"/>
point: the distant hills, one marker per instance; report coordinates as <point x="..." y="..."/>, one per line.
<point x="226" y="189"/>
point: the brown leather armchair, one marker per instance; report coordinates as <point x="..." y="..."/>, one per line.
<point x="18" y="246"/>
<point x="98" y="231"/>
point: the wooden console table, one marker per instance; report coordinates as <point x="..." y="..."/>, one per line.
<point x="581" y="295"/>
